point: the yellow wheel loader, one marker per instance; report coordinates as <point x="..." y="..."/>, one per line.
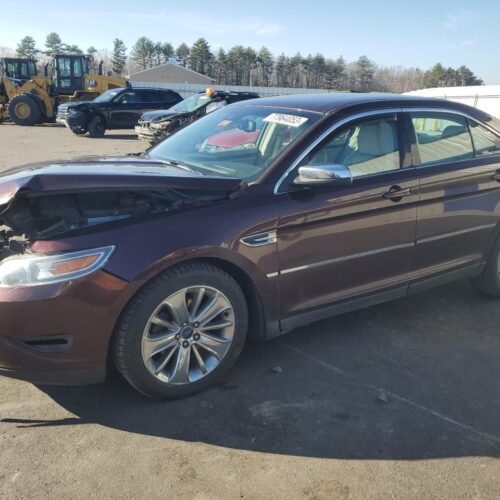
<point x="28" y="98"/>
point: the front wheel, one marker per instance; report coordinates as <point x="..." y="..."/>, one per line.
<point x="96" y="126"/>
<point x="182" y="331"/>
<point x="24" y="110"/>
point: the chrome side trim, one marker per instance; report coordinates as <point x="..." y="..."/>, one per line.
<point x="272" y="275"/>
<point x="260" y="239"/>
<point x="455" y="233"/>
<point x="346" y="257"/>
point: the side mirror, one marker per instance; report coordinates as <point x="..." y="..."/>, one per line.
<point x="312" y="175"/>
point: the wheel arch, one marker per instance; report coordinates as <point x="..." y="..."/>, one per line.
<point x="258" y="326"/>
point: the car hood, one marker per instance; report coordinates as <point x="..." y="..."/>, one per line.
<point x="106" y="173"/>
<point x="160" y="114"/>
<point x="78" y="104"/>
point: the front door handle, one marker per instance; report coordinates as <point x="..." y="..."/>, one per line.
<point x="496" y="176"/>
<point x="396" y="193"/>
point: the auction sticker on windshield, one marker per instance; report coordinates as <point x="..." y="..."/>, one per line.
<point x="285" y="119"/>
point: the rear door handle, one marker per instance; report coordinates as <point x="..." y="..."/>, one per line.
<point x="396" y="193"/>
<point x="496" y="176"/>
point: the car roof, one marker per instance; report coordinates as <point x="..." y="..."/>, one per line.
<point x="330" y="102"/>
<point x="133" y="87"/>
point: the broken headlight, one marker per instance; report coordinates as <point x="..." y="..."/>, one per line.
<point x="32" y="270"/>
<point x="160" y="125"/>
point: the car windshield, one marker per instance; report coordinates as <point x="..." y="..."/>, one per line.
<point x="235" y="141"/>
<point x="107" y="96"/>
<point x="191" y="104"/>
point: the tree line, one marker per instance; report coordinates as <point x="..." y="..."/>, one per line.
<point x="247" y="66"/>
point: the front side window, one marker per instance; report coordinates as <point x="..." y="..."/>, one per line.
<point x="235" y="141"/>
<point x="485" y="142"/>
<point x="368" y="147"/>
<point x="441" y="137"/>
<point x="126" y="98"/>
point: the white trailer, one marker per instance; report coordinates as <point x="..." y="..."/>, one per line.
<point x="484" y="97"/>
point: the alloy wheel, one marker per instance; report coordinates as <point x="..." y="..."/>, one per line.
<point x="188" y="335"/>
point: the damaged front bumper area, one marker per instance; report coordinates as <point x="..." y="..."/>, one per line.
<point x="75" y="120"/>
<point x="151" y="132"/>
<point x="59" y="333"/>
<point x="58" y="308"/>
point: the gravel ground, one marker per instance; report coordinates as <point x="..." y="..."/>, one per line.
<point x="400" y="400"/>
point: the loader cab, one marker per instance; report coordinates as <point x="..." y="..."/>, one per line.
<point x="18" y="68"/>
<point x="68" y="73"/>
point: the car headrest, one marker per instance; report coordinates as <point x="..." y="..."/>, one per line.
<point x="452" y="130"/>
<point x="375" y="139"/>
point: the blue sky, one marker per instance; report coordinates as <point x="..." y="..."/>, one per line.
<point x="390" y="32"/>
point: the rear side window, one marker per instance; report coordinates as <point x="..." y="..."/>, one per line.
<point x="168" y="97"/>
<point x="485" y="142"/>
<point x="147" y="96"/>
<point x="442" y="137"/>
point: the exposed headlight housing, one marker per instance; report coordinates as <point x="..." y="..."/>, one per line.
<point x="160" y="125"/>
<point x="33" y="270"/>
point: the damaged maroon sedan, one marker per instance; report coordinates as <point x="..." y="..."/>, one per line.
<point x="164" y="263"/>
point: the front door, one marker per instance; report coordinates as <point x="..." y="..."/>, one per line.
<point x="124" y="110"/>
<point x="342" y="242"/>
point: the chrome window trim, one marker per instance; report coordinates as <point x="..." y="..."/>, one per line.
<point x="402" y="109"/>
<point x="323" y="136"/>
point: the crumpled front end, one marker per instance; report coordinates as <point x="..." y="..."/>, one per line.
<point x="58" y="309"/>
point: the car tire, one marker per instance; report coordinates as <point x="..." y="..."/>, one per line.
<point x="489" y="280"/>
<point x="24" y="110"/>
<point x="79" y="131"/>
<point x="96" y="126"/>
<point x="153" y="343"/>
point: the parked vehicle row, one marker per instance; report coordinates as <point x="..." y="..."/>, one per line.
<point x="154" y="126"/>
<point x="253" y="220"/>
<point x="118" y="108"/>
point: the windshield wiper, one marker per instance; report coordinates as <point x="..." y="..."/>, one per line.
<point x="170" y="163"/>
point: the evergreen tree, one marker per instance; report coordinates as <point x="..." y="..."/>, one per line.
<point x="71" y="49"/>
<point x="364" y="71"/>
<point x="182" y="53"/>
<point x="158" y="53"/>
<point x="53" y="44"/>
<point x="92" y="51"/>
<point x="119" y="57"/>
<point x="143" y="52"/>
<point x="265" y="63"/>
<point x="200" y="56"/>
<point x="27" y="48"/>
<point x="167" y="51"/>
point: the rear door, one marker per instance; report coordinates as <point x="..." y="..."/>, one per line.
<point x="342" y="242"/>
<point x="459" y="165"/>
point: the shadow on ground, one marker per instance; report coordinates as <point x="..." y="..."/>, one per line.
<point x="123" y="137"/>
<point x="417" y="378"/>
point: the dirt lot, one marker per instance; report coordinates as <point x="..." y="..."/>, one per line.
<point x="400" y="400"/>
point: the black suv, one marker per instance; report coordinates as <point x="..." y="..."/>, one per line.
<point x="154" y="126"/>
<point x="114" y="109"/>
